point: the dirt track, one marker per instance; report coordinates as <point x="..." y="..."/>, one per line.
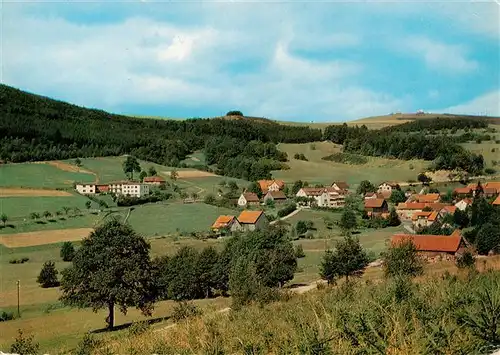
<point x="43" y="237"/>
<point x="18" y="192"/>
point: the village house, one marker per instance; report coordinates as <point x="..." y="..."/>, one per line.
<point x="376" y="207"/>
<point x="314" y="193"/>
<point x="252" y="220"/>
<point x="463" y="204"/>
<point x="424" y="219"/>
<point x="493" y="185"/>
<point x="386" y="187"/>
<point x="225" y="225"/>
<point x="447" y="210"/>
<point x="333" y="197"/>
<point x="425" y="198"/>
<point x="86" y="189"/>
<point x="405" y="210"/>
<point x="276" y="196"/>
<point x="248" y="199"/>
<point x="434" y="247"/>
<point x="271" y="185"/>
<point x="154" y="180"/>
<point x="129" y="188"/>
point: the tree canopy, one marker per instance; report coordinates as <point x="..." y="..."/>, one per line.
<point x="112" y="267"/>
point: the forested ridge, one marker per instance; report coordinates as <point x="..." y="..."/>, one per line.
<point x="34" y="128"/>
<point x="414" y="140"/>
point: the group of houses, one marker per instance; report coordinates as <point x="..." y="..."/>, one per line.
<point x="125" y="188"/>
<point x="247" y="221"/>
<point x="328" y="197"/>
<point x="271" y="190"/>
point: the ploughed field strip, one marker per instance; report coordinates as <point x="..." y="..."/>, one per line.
<point x="29" y="239"/>
<point x="18" y="192"/>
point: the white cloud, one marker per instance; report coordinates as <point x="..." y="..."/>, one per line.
<point x="487" y="104"/>
<point x="142" y="61"/>
<point x="440" y="56"/>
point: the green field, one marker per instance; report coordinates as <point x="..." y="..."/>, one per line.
<point x="16" y="207"/>
<point x="39" y="176"/>
<point x="489" y="149"/>
<point x="160" y="219"/>
<point x="319" y="171"/>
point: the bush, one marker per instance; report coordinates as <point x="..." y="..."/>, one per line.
<point x="300" y="156"/>
<point x="184" y="310"/>
<point x="299" y="251"/>
<point x="234" y="113"/>
<point x="5" y="316"/>
<point x="347" y="158"/>
<point x="87" y="345"/>
<point x="489" y="171"/>
<point x="138" y="328"/>
<point x="67" y="251"/>
<point x="19" y="261"/>
<point x="126" y="201"/>
<point x="24" y="345"/>
<point x="466" y="260"/>
<point x="48" y="275"/>
<point x="287" y="210"/>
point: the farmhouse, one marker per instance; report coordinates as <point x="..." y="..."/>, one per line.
<point x="225" y="224"/>
<point x="333" y="197"/>
<point x="248" y="198"/>
<point x="86" y="189"/>
<point x="129" y="188"/>
<point x="463" y="204"/>
<point x="154" y="180"/>
<point x="406" y="210"/>
<point x="276" y="196"/>
<point x="387" y="187"/>
<point x="376" y="206"/>
<point x="447" y="210"/>
<point x="252" y="220"/>
<point x="312" y="193"/>
<point x="434" y="246"/>
<point x="462" y="191"/>
<point x="271" y="185"/>
<point x="424" y="218"/>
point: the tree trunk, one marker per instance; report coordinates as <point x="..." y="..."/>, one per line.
<point x="346" y="278"/>
<point x="111" y="316"/>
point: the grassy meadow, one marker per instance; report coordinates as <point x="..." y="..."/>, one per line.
<point x="319" y="171"/>
<point x="39" y="175"/>
<point x="16" y="207"/>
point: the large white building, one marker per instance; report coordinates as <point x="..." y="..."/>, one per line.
<point x="128" y="188"/>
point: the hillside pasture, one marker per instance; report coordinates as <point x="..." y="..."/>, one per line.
<point x="35" y="175"/>
<point x="22" y="205"/>
<point x="319" y="171"/>
<point x="490" y="150"/>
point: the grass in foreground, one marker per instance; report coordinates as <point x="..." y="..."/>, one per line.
<point x="388" y="318"/>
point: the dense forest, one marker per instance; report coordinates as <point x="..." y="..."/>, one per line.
<point x="410" y="141"/>
<point x="34" y="128"/>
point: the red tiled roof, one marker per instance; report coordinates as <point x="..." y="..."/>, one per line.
<point x="251" y="197"/>
<point x="439" y="243"/>
<point x="417" y="215"/>
<point x="313" y="191"/>
<point x="490" y="190"/>
<point x="496" y="202"/>
<point x="370" y="194"/>
<point x="426" y="198"/>
<point x="264" y="184"/>
<point x="463" y="190"/>
<point x="154" y="179"/>
<point x="249" y="217"/>
<point x="411" y="206"/>
<point x="493" y="184"/>
<point x="374" y="203"/>
<point x="449" y="209"/>
<point x="433" y="216"/>
<point x="222" y="221"/>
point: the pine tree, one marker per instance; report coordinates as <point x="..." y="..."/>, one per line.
<point x="48" y="275"/>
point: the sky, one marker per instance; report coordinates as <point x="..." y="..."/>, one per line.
<point x="319" y="61"/>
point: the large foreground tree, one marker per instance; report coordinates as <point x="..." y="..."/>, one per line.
<point x="111" y="268"/>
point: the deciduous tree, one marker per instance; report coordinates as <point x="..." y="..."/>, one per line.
<point x="4" y="219"/>
<point x="131" y="165"/>
<point x="67" y="251"/>
<point x="111" y="268"/>
<point x="402" y="260"/>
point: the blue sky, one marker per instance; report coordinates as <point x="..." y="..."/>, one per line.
<point x="298" y="61"/>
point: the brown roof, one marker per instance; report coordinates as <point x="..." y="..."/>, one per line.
<point x="411" y="206"/>
<point x="463" y="190"/>
<point x="440" y="243"/>
<point x="277" y="195"/>
<point x="490" y="190"/>
<point x="374" y="203"/>
<point x="433" y="216"/>
<point x="154" y="179"/>
<point x="251" y="197"/>
<point x="493" y="184"/>
<point x="249" y="217"/>
<point x="313" y="191"/>
<point x="341" y="184"/>
<point x="496" y="202"/>
<point x="222" y="221"/>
